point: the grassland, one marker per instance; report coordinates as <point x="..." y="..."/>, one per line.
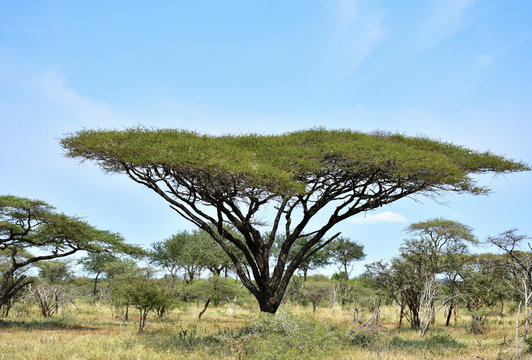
<point x="90" y="332"/>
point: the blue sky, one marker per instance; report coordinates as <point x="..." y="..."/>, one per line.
<point x="456" y="70"/>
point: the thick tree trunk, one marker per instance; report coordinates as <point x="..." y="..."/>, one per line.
<point x="415" y="322"/>
<point x="268" y="304"/>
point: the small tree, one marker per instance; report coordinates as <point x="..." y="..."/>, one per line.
<point x="145" y="295"/>
<point x="344" y="252"/>
<point x="518" y="251"/>
<point x="437" y="247"/>
<point x="187" y="251"/>
<point x="97" y="264"/>
<point x="316" y="292"/>
<point x="483" y="282"/>
<point x="216" y="289"/>
<point x="121" y="273"/>
<point x="214" y="182"/>
<point x="54" y="271"/>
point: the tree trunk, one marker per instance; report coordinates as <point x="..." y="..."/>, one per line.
<point x="401" y="314"/>
<point x="415" y="322"/>
<point x="501" y="312"/>
<point x="449" y="313"/>
<point x="142" y="319"/>
<point x="268" y="304"/>
<point x="345" y="270"/>
<point x="204" y="308"/>
<point x="95" y="283"/>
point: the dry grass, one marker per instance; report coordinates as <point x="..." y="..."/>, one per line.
<point x="89" y="332"/>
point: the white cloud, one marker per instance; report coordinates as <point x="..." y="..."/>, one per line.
<point x="445" y="18"/>
<point x="357" y="32"/>
<point x="379" y="218"/>
<point x="75" y="107"/>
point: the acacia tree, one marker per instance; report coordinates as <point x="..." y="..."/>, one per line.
<point x="344" y="252"/>
<point x="437" y="246"/>
<point x="54" y="271"/>
<point x="97" y="263"/>
<point x="191" y="252"/>
<point x="27" y="225"/>
<point x="441" y="245"/>
<point x="217" y="182"/>
<point x="518" y="252"/>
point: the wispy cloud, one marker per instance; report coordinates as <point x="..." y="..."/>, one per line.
<point x="444" y="19"/>
<point x="379" y="218"/>
<point x="357" y="31"/>
<point x="80" y="109"/>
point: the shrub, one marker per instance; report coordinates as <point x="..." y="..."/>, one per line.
<point x="285" y="336"/>
<point x="361" y="338"/>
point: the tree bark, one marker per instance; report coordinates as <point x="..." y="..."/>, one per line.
<point x="268" y="304"/>
<point x="449" y="314"/>
<point x="204" y="308"/>
<point x="95" y="283"/>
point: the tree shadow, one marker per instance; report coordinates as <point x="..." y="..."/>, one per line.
<point x="190" y="339"/>
<point x="48" y="324"/>
<point x="434" y="342"/>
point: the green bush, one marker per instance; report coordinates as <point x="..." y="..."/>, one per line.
<point x="285" y="336"/>
<point x="528" y="345"/>
<point x="362" y="338"/>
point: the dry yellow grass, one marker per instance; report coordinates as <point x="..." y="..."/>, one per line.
<point x="88" y="332"/>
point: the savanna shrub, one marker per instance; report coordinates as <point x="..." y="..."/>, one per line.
<point x="286" y="336"/>
<point x="528" y="345"/>
<point x="361" y="338"/>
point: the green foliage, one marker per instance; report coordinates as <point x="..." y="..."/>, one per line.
<point x="319" y="259"/>
<point x="528" y="345"/>
<point x="485" y="281"/>
<point x="278" y="162"/>
<point x="345" y="251"/>
<point x="317" y="292"/>
<point x="191" y="252"/>
<point x="339" y="276"/>
<point x="361" y="338"/>
<point x="54" y="271"/>
<point x="218" y="289"/>
<point x="286" y="337"/>
<point x="147" y="294"/>
<point x="32" y="223"/>
<point x="433" y="343"/>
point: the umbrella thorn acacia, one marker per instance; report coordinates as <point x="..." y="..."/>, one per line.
<point x="216" y="181"/>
